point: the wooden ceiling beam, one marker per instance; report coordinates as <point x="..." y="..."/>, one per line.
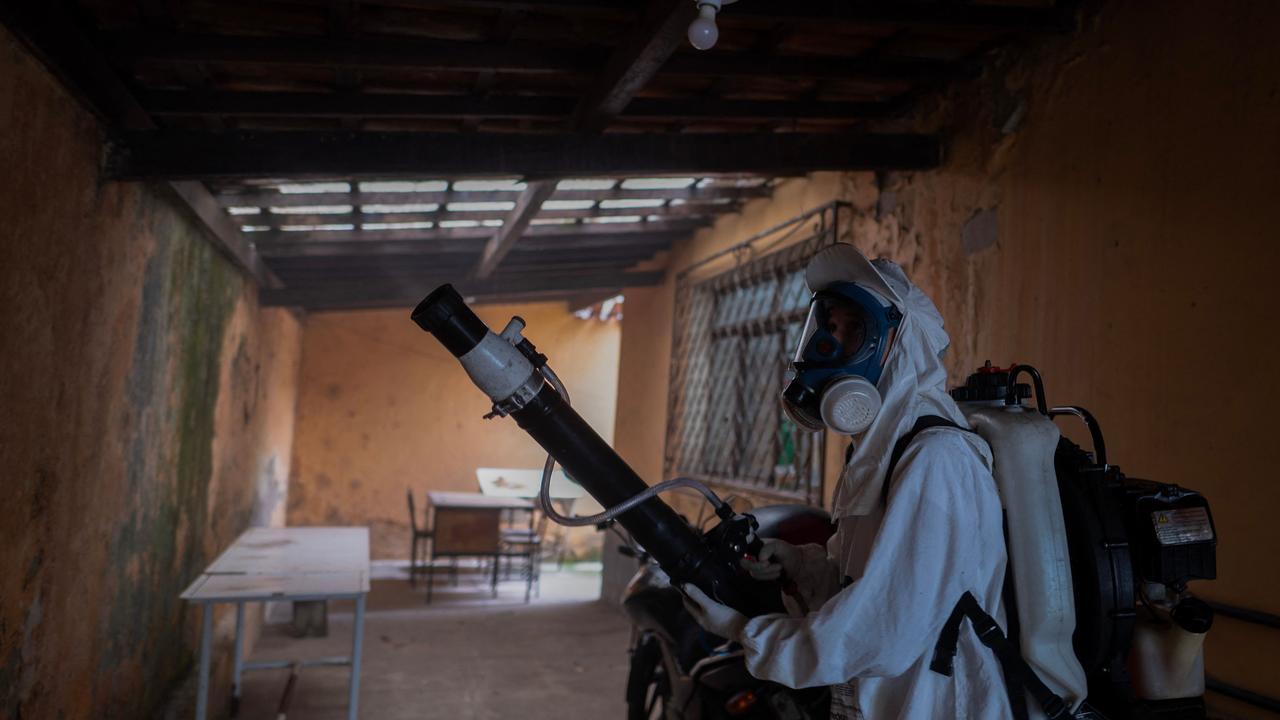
<point x="267" y="239"/>
<point x="56" y="37"/>
<point x="193" y="154"/>
<point x="512" y="264"/>
<point x="425" y="260"/>
<point x="515" y="225"/>
<point x="832" y="16"/>
<point x="368" y="295"/>
<point x="339" y="105"/>
<point x="839" y="16"/>
<point x="382" y="105"/>
<point x="634" y="63"/>
<point x="473" y="246"/>
<point x="757" y="65"/>
<point x="134" y="49"/>
<point x="629" y="68"/>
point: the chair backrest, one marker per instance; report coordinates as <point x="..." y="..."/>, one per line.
<point x="413" y="514"/>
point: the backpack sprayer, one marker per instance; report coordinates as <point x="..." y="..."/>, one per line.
<point x="515" y="376"/>
<point x="1097" y="601"/>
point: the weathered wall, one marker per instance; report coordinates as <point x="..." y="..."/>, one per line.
<point x="148" y="408"/>
<point x="383" y="408"/>
<point x="1128" y="251"/>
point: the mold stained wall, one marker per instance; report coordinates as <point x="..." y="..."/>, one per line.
<point x="384" y="408"/>
<point x="1119" y="238"/>
<point x="148" y="413"/>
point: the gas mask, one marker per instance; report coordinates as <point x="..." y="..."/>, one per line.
<point x="839" y="359"/>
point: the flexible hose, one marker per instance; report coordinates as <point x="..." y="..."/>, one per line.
<point x="544" y="493"/>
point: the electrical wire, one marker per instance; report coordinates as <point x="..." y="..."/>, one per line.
<point x="544" y="493"/>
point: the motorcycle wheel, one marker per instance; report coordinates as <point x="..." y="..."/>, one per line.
<point x="648" y="687"/>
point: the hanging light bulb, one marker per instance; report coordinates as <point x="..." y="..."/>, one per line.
<point x="703" y="32"/>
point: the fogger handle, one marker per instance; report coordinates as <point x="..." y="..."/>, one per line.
<point x="512" y="382"/>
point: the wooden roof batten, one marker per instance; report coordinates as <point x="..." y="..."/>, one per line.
<point x="628" y="70"/>
<point x="245" y="99"/>
<point x="53" y="34"/>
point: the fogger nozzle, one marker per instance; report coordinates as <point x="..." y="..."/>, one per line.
<point x="445" y="314"/>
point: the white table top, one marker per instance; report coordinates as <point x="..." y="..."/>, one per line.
<point x="290" y="562"/>
<point x="476" y="501"/>
<point x="525" y="483"/>
<point x="277" y="587"/>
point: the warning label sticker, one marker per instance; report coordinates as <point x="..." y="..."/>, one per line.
<point x="1179" y="527"/>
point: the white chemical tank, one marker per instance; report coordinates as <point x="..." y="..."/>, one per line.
<point x="1023" y="441"/>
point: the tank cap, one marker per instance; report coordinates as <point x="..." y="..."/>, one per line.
<point x="990" y="383"/>
<point x="1193" y="615"/>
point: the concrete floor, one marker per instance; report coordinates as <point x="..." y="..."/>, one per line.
<point x="465" y="656"/>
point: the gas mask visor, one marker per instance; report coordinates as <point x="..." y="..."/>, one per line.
<point x="839" y="359"/>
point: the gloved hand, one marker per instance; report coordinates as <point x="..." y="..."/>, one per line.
<point x="776" y="557"/>
<point x="714" y="617"/>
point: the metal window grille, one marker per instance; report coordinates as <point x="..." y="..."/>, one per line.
<point x="734" y="334"/>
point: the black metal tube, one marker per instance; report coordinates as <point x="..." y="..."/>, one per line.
<point x="589" y="460"/>
<point x="445" y="314"/>
<point x="1255" y="699"/>
<point x="1012" y="397"/>
<point x="1095" y="430"/>
<point x="1249" y="615"/>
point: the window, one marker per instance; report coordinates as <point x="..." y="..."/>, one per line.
<point x="734" y="336"/>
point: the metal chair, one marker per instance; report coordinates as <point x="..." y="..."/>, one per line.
<point x="527" y="545"/>
<point x="417" y="559"/>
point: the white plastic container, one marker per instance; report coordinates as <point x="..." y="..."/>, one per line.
<point x="1166" y="661"/>
<point x="1023" y="442"/>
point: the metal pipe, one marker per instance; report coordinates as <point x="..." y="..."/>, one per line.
<point x="1012" y="397"/>
<point x="1095" y="430"/>
<point x="206" y="644"/>
<point x="1256" y="617"/>
<point x="282" y="710"/>
<point x="1249" y="615"/>
<point x="238" y="662"/>
<point x="1266" y="702"/>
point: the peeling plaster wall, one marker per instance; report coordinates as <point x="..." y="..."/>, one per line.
<point x="1122" y="238"/>
<point x="383" y="408"/>
<point x="148" y="409"/>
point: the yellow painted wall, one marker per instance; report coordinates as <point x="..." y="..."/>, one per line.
<point x="147" y="412"/>
<point x="383" y="407"/>
<point x="1134" y="265"/>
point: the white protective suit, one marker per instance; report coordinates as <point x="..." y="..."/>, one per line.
<point x="910" y="560"/>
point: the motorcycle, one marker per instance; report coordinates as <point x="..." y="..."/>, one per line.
<point x="680" y="671"/>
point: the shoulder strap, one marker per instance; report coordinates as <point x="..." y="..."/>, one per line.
<point x="924" y="422"/>
<point x="1024" y="678"/>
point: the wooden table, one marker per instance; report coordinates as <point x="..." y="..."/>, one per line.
<point x="469" y="525"/>
<point x="286" y="564"/>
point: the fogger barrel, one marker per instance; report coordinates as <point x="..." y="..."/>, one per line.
<point x="519" y="389"/>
